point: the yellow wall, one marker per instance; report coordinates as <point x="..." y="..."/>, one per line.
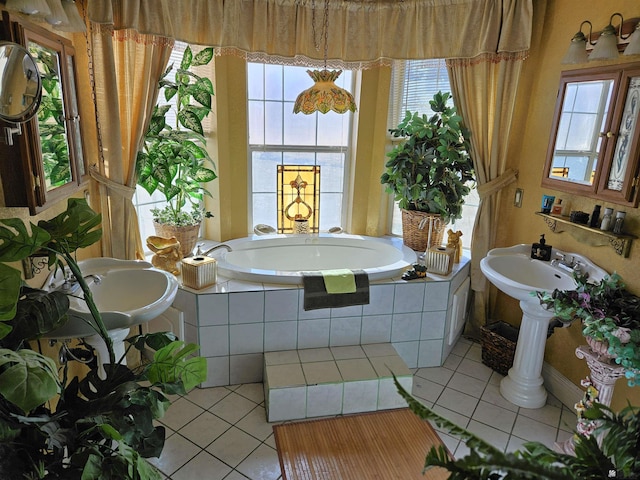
<point x="534" y="114"/>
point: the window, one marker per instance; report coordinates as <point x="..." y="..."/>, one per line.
<point x="277" y="136"/>
<point x="414" y="83"/>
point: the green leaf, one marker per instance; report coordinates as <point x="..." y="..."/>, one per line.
<point x="187" y="57"/>
<point x="171" y="365"/>
<point x="16" y="243"/>
<point x="189" y="119"/>
<point x="28" y="378"/>
<point x="202" y="57"/>
<point x="10" y="280"/>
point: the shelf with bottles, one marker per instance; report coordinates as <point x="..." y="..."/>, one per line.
<point x="620" y="242"/>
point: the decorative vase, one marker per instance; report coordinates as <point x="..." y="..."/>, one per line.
<point x="416" y="227"/>
<point x="599" y="347"/>
<point x="186" y="235"/>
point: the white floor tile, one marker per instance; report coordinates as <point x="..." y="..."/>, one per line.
<point x="495" y="437"/>
<point x="466" y="384"/>
<point x="177" y="451"/>
<point x="233" y="446"/>
<point x="426" y="390"/>
<point x="255" y="424"/>
<point x="548" y="414"/>
<point x="475" y="369"/>
<point x="457" y="401"/>
<point x="207" y="397"/>
<point x="232" y="407"/>
<point x="439" y="375"/>
<point x="262" y="463"/>
<point x="180" y="413"/>
<point x="492" y="395"/>
<point x="532" y="430"/>
<point x="204" y="429"/>
<point x="495" y="416"/>
<point x="204" y="465"/>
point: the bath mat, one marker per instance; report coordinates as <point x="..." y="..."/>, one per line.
<point x="385" y="445"/>
<point x="316" y="296"/>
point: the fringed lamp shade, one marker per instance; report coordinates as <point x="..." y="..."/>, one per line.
<point x="324" y="95"/>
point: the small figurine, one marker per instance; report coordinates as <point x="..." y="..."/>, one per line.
<point x="167" y="253"/>
<point x="453" y="241"/>
<point x="418" y="271"/>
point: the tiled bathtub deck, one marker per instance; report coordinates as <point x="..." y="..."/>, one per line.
<point x="331" y="381"/>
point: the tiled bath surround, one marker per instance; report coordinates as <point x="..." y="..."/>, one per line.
<point x="235" y="322"/>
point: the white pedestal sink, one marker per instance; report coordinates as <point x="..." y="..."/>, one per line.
<point x="126" y="293"/>
<point x="516" y="274"/>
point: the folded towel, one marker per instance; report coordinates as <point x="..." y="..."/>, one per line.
<point x="316" y="295"/>
<point x="339" y="281"/>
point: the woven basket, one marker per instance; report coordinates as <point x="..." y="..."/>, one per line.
<point x="187" y="236"/>
<point x="498" y="346"/>
<point x="415" y="229"/>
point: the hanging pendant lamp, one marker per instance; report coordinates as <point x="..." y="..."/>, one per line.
<point x="324" y="95"/>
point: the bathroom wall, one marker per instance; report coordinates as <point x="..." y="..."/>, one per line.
<point x="531" y="129"/>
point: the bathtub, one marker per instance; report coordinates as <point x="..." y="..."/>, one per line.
<point x="282" y="258"/>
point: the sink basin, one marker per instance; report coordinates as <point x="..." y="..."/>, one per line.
<point x="126" y="293"/>
<point x="513" y="271"/>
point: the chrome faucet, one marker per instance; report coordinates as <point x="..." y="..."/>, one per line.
<point x="569" y="264"/>
<point x="205" y="253"/>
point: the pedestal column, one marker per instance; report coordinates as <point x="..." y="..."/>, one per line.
<point x="604" y="373"/>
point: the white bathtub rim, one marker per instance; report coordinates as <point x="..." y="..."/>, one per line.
<point x="288" y="277"/>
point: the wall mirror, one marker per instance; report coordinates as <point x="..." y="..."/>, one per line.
<point x="20" y="85"/>
<point x="50" y="151"/>
<point x="594" y="144"/>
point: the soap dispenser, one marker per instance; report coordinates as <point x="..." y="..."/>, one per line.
<point x="540" y="250"/>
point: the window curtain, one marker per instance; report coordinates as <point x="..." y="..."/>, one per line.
<point x="126" y="70"/>
<point x="484" y="90"/>
<point x="361" y="33"/>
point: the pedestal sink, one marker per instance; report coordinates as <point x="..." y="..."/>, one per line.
<point x="513" y="271"/>
<point x="126" y="293"/>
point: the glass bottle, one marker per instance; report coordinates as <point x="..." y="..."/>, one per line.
<point x="607" y="219"/>
<point x="617" y="226"/>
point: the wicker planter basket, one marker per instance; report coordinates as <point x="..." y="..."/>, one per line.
<point x="415" y="229"/>
<point x="498" y="346"/>
<point x="187" y="236"/>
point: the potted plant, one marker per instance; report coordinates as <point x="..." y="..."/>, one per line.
<point x="430" y="172"/>
<point x="56" y="427"/>
<point x="610" y="451"/>
<point x="610" y="316"/>
<point x="174" y="158"/>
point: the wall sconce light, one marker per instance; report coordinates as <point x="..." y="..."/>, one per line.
<point x="604" y="45"/>
<point x="577" y="52"/>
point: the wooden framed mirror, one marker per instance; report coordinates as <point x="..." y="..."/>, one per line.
<point x="594" y="144"/>
<point x="47" y="161"/>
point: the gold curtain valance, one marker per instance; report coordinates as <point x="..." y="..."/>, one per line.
<point x="361" y="32"/>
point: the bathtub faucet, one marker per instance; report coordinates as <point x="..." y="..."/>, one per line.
<point x="199" y="252"/>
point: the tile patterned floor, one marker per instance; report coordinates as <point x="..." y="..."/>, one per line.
<point x="221" y="433"/>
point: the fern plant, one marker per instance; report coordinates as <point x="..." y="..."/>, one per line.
<point x="611" y="452"/>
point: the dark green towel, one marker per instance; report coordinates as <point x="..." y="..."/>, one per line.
<point x="316" y="296"/>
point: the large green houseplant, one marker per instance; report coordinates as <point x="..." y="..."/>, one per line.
<point x="174" y="158"/>
<point x="431" y="171"/>
<point x="611" y="451"/>
<point x="56" y="427"/>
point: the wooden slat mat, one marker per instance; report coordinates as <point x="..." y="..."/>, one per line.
<point x="384" y="445"/>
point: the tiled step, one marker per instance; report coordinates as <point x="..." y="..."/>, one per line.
<point x="319" y="382"/>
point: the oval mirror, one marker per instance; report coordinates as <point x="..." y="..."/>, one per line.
<point x="20" y="83"/>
